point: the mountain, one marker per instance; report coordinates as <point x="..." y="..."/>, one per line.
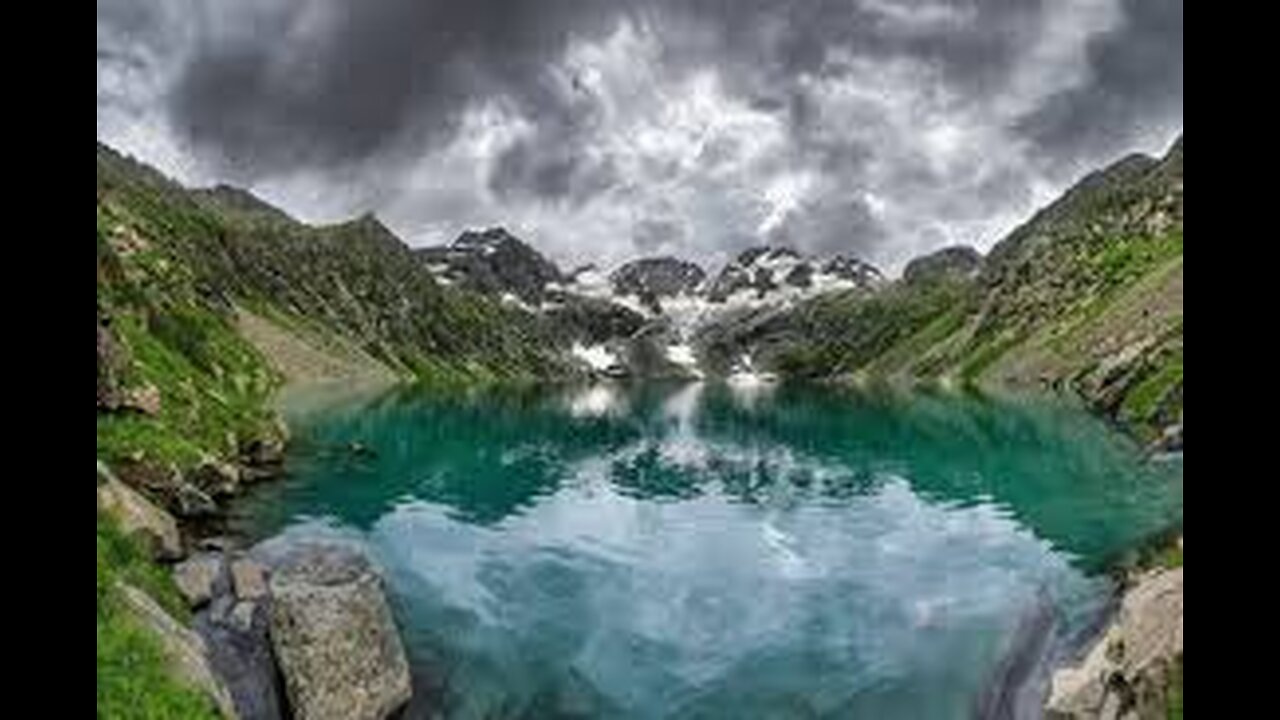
<point x="496" y="263"/>
<point x="651" y="280"/>
<point x="760" y="271"/>
<point x="209" y="299"/>
<point x="205" y="297"/>
<point x="1085" y="296"/>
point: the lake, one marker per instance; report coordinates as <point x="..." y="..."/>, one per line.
<point x="718" y="551"/>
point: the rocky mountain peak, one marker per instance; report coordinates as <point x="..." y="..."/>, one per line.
<point x="762" y="270"/>
<point x="658" y="277"/>
<point x="494" y="261"/>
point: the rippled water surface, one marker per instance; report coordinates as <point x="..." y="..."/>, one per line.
<point x="704" y="552"/>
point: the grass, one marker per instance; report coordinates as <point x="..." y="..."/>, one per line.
<point x="1174" y="708"/>
<point x="213" y="388"/>
<point x="1144" y="400"/>
<point x="134" y="681"/>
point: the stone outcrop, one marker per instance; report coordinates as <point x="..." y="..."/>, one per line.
<point x="228" y="592"/>
<point x="200" y="578"/>
<point x="337" y="646"/>
<point x="186" y="650"/>
<point x="138" y="516"/>
<point x="1127" y="675"/>
<point x="110" y="361"/>
<point x="493" y="262"/>
<point x="958" y="262"/>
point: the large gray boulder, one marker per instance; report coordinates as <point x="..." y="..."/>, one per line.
<point x="1128" y="672"/>
<point x="334" y="638"/>
<point x="138" y="516"/>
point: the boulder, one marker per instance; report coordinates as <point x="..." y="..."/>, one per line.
<point x="139" y="516"/>
<point x="189" y="501"/>
<point x="186" y="650"/>
<point x="263" y="451"/>
<point x="237" y="633"/>
<point x="248" y="579"/>
<point x="1128" y="672"/>
<point x="144" y="399"/>
<point x="201" y="577"/>
<point x="334" y="638"/>
<point x="167" y="485"/>
<point x="216" y="478"/>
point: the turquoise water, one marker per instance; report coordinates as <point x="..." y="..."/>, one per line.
<point x="709" y="552"/>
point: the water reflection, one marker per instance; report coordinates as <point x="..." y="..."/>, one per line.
<point x="690" y="551"/>
<point x="484" y="457"/>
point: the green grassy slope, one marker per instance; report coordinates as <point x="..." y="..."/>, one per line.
<point x="179" y="384"/>
<point x="1087" y="295"/>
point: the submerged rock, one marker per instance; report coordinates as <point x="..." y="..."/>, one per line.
<point x="334" y="638"/>
<point x="1128" y="673"/>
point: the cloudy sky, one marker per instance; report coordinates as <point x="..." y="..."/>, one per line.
<point x="603" y="129"/>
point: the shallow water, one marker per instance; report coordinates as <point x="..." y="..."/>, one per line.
<point x="714" y="552"/>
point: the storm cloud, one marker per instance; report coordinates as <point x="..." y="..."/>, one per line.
<point x="599" y="130"/>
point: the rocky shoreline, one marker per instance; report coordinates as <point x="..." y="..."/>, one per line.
<point x="1133" y="670"/>
<point x="304" y="633"/>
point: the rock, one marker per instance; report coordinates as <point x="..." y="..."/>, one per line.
<point x="216" y="478"/>
<point x="958" y="262"/>
<point x="250" y="474"/>
<point x="861" y="273"/>
<point x="109" y="364"/>
<point x="261" y="452"/>
<point x="1127" y="673"/>
<point x="216" y="544"/>
<point x="1171" y="439"/>
<point x="200" y="578"/>
<point x="593" y="321"/>
<point x="139" y="516"/>
<point x="658" y="278"/>
<point x="334" y="638"/>
<point x="237" y="636"/>
<point x="188" y="501"/>
<point x="248" y="579"/>
<point x="262" y="456"/>
<point x="167" y="485"/>
<point x="493" y="262"/>
<point x="144" y="399"/>
<point x="186" y="650"/>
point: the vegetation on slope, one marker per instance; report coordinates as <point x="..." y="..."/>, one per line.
<point x="133" y="674"/>
<point x="179" y="384"/>
<point x="1087" y="296"/>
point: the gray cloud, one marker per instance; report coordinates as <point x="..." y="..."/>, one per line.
<point x="1136" y="79"/>
<point x="598" y="129"/>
